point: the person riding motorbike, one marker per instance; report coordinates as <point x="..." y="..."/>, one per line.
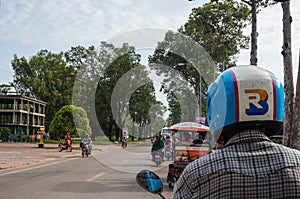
<point x="168" y="146"/>
<point x="124" y="142"/>
<point x="168" y="141"/>
<point x="245" y="105"/>
<point x="158" y="145"/>
<point x="88" y="141"/>
<point x="68" y="140"/>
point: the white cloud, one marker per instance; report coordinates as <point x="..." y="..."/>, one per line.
<point x="31" y="25"/>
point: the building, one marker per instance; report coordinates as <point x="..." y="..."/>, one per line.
<point x="24" y="115"/>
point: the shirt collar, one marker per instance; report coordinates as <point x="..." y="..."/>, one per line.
<point x="253" y="135"/>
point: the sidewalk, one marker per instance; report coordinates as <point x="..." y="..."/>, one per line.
<point x="13" y="155"/>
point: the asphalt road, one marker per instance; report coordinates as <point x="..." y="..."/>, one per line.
<point x="107" y="174"/>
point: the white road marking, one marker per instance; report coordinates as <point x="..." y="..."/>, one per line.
<point x="125" y="160"/>
<point x="96" y="176"/>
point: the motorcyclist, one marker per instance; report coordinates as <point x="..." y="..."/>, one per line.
<point x="157" y="145"/>
<point x="168" y="141"/>
<point x="68" y="140"/>
<point x="88" y="141"/>
<point x="168" y="144"/>
<point x="245" y="105"/>
<point x="124" y="142"/>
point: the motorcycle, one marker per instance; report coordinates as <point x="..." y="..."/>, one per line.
<point x="158" y="157"/>
<point x="151" y="182"/>
<point x="124" y="144"/>
<point x="64" y="145"/>
<point x="85" y="150"/>
<point x="168" y="153"/>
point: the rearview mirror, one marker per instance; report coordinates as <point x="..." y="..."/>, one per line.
<point x="150" y="182"/>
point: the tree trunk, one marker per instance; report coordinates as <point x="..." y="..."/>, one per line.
<point x="140" y="132"/>
<point x="110" y="127"/>
<point x="289" y="135"/>
<point x="253" y="54"/>
<point x="132" y="137"/>
<point x="296" y="121"/>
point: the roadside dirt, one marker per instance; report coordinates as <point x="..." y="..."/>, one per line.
<point x="20" y="154"/>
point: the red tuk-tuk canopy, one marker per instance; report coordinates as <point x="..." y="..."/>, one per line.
<point x="189" y="126"/>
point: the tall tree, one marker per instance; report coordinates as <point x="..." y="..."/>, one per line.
<point x="110" y="110"/>
<point x="218" y="27"/>
<point x="48" y="77"/>
<point x="255" y="6"/>
<point x="91" y="64"/>
<point x="142" y="107"/>
<point x="182" y="62"/>
<point x="292" y="101"/>
<point x="175" y="110"/>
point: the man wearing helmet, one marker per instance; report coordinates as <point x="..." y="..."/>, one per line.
<point x="245" y="105"/>
<point x="88" y="140"/>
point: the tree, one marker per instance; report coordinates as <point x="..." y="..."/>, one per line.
<point x="208" y="43"/>
<point x="140" y="104"/>
<point x="182" y="62"/>
<point x="5" y="133"/>
<point x="63" y="122"/>
<point x="122" y="61"/>
<point x="46" y="76"/>
<point x="218" y="27"/>
<point x="175" y="111"/>
<point x="292" y="101"/>
<point x="255" y="8"/>
<point x="91" y="64"/>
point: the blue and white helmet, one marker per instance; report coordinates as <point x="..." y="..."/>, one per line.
<point x="243" y="96"/>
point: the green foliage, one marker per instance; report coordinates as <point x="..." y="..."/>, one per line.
<point x="175" y="110"/>
<point x="26" y="138"/>
<point x="216" y="30"/>
<point x="46" y="76"/>
<point x="5" y="133"/>
<point x="218" y="27"/>
<point x="259" y="3"/>
<point x="184" y="61"/>
<point x="63" y="122"/>
<point x="85" y="77"/>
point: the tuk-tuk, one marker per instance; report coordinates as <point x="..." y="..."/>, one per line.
<point x="189" y="141"/>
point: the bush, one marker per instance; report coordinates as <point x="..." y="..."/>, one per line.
<point x="25" y="138"/>
<point x="4" y="136"/>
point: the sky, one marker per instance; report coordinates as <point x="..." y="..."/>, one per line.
<point x="28" y="26"/>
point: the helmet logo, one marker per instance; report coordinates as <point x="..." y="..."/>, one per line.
<point x="257" y="102"/>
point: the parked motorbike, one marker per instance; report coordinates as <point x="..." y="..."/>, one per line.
<point x="150" y="182"/>
<point x="64" y="145"/>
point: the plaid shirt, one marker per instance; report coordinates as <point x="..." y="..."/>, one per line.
<point x="250" y="165"/>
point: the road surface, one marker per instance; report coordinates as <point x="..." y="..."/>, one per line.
<point x="106" y="174"/>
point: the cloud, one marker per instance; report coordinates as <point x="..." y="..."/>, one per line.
<point x="55" y="22"/>
<point x="31" y="25"/>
